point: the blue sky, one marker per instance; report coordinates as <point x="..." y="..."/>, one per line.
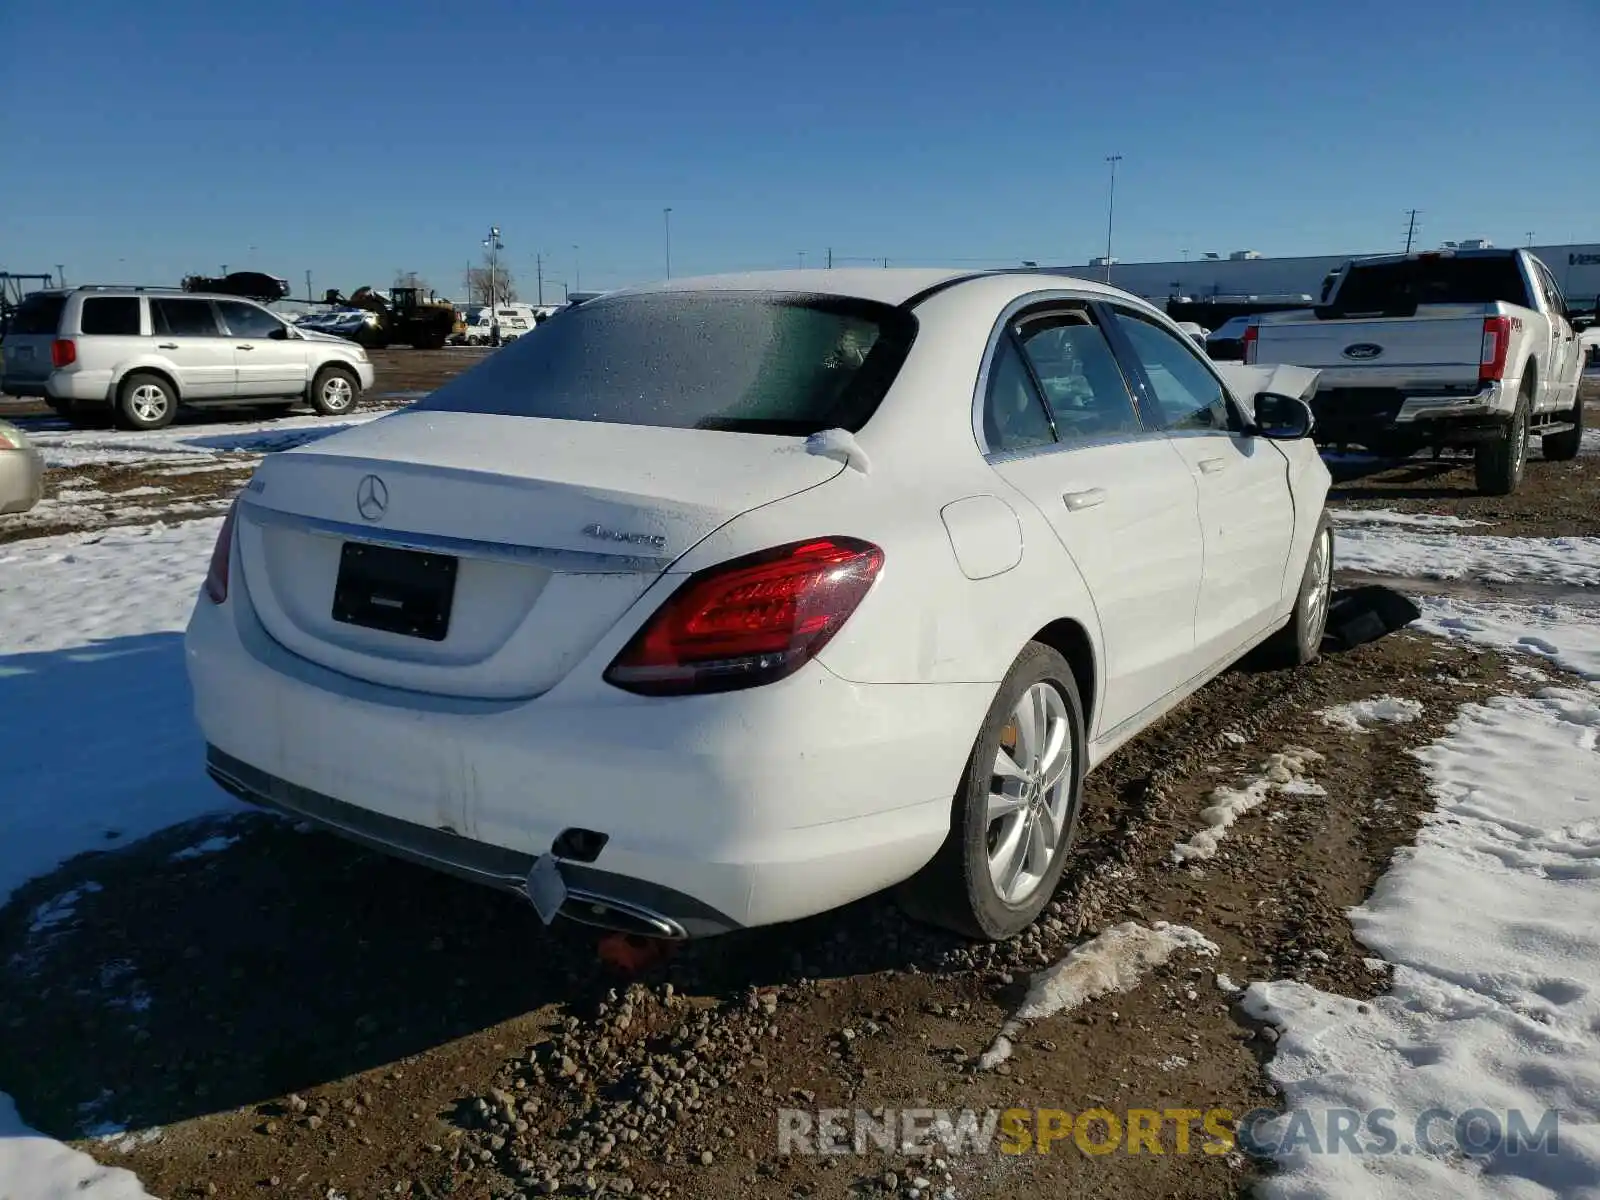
<point x="144" y="141"/>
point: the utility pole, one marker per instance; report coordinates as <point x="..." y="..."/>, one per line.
<point x="1530" y="239"/>
<point x="830" y="258"/>
<point x="666" y="219"/>
<point x="802" y="260"/>
<point x="1411" y="229"/>
<point x="1111" y="209"/>
<point x="224" y="268"/>
<point x="577" y="270"/>
<point x="495" y="246"/>
<point x="61" y="275"/>
<point x="308" y="287"/>
<point x="538" y="275"/>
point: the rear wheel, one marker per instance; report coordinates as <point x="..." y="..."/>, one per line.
<point x="1562" y="447"/>
<point x="1016" y="812"/>
<point x="145" y="402"/>
<point x="1499" y="465"/>
<point x="334" y="391"/>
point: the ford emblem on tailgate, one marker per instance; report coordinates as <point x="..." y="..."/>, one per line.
<point x="1361" y="351"/>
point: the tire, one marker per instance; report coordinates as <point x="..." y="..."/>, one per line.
<point x="145" y="401"/>
<point x="958" y="889"/>
<point x="1300" y="640"/>
<point x="474" y="340"/>
<point x="335" y="391"/>
<point x="1563" y="447"/>
<point x="1499" y="465"/>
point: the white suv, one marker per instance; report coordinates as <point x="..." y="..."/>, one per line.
<point x="144" y="351"/>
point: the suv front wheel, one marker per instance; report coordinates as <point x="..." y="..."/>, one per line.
<point x="146" y="402"/>
<point x="335" y="391"/>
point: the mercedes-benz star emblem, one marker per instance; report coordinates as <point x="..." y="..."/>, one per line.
<point x="372" y="497"/>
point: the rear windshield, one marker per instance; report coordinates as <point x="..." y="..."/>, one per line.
<point x="749" y="362"/>
<point x="1395" y="289"/>
<point x="38" y="315"/>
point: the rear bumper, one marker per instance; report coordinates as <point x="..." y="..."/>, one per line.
<point x="1349" y="414"/>
<point x="742" y="809"/>
<point x="21" y="480"/>
<point x="61" y="385"/>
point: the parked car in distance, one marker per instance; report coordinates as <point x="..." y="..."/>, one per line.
<point x="21" y="471"/>
<point x="1446" y="348"/>
<point x="1198" y="332"/>
<point x="1225" y="343"/>
<point x="623" y="619"/>
<point x="141" y="352"/>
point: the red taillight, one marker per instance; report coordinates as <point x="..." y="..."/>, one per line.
<point x="749" y="621"/>
<point x="217" y="575"/>
<point x="63" y="352"/>
<point x="1496" y="337"/>
<point x="1251" y="333"/>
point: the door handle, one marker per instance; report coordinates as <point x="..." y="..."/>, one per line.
<point x="244" y="347"/>
<point x="167" y="346"/>
<point x="1085" y="499"/>
<point x="1210" y="466"/>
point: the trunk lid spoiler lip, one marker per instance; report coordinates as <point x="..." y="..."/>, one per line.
<point x="596" y="562"/>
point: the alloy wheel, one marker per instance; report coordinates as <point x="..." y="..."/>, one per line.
<point x="1028" y="793"/>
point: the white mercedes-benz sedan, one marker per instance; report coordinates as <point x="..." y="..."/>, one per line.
<point x="727" y="601"/>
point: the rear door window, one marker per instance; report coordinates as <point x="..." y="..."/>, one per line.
<point x="183" y="318"/>
<point x="111" y="315"/>
<point x="750" y="362"/>
<point x="1087" y="394"/>
<point x="38" y="315"/>
<point x="248" y="321"/>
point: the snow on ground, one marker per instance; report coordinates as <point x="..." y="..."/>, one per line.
<point x="92" y="639"/>
<point x="185" y="444"/>
<point x="1112" y="961"/>
<point x="1389" y="516"/>
<point x="1492" y="922"/>
<point x="1361" y="715"/>
<point x="1284" y="772"/>
<point x="1573" y="561"/>
<point x="1565" y="636"/>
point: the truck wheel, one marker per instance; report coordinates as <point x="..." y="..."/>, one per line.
<point x="334" y="391"/>
<point x="1562" y="447"/>
<point x="1498" y="465"/>
<point x="145" y="402"/>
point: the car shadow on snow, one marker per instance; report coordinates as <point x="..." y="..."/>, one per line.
<point x="237" y="957"/>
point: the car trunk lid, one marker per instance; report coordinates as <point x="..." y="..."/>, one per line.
<point x="481" y="555"/>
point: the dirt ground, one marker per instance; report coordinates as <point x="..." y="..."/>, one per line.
<point x="242" y="1008"/>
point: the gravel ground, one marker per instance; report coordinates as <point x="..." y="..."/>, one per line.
<point x="294" y="1015"/>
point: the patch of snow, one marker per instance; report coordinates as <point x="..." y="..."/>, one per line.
<point x="51" y="1171"/>
<point x="91" y="641"/>
<point x="1278" y="773"/>
<point x="1112" y="961"/>
<point x="1224" y="984"/>
<point x="1173" y="1062"/>
<point x="1564" y="636"/>
<point x="181" y="444"/>
<point x="1360" y="715"/>
<point x="246" y="464"/>
<point x="1573" y="561"/>
<point x="212" y="845"/>
<point x="1389" y="516"/>
<point x="1492" y="923"/>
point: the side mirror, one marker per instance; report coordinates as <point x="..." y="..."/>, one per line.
<point x="1579" y="324"/>
<point x="1283" y="418"/>
<point x="280" y="334"/>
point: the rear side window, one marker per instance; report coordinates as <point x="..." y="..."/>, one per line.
<point x="1014" y="415"/>
<point x="114" y="315"/>
<point x="749" y="362"/>
<point x="1081" y="380"/>
<point x="1397" y="288"/>
<point x="38" y="315"/>
<point x="183" y="318"/>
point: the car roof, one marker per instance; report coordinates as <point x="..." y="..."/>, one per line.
<point x="891" y="285"/>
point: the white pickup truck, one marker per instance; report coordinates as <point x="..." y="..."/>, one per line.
<point x="1451" y="348"/>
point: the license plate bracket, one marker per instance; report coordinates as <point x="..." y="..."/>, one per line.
<point x="408" y="592"/>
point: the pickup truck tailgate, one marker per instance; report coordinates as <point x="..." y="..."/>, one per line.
<point x="1395" y="351"/>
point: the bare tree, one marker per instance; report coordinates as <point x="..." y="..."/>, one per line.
<point x="505" y="285"/>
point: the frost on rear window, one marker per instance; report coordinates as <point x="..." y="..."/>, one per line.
<point x="749" y="362"/>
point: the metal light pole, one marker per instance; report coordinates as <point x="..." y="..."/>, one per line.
<point x="802" y="260"/>
<point x="666" y="220"/>
<point x="1111" y="209"/>
<point x="61" y="275"/>
<point x="538" y="275"/>
<point x="577" y="271"/>
<point x="494" y="245"/>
